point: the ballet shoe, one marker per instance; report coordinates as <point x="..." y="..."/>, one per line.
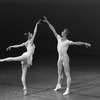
<point x="1" y="60"/>
<point x="57" y="87"/>
<point x="66" y="92"/>
<point x="25" y="91"/>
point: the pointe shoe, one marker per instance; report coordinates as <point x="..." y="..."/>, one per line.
<point x="1" y="60"/>
<point x="25" y="91"/>
<point x="66" y="92"/>
<point x="57" y="87"/>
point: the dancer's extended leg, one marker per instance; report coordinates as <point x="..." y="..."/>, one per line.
<point x="60" y="75"/>
<point x="23" y="78"/>
<point x="19" y="58"/>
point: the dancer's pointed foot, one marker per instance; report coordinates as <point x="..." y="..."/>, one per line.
<point x="57" y="87"/>
<point x="67" y="91"/>
<point x="1" y="60"/>
<point x="25" y="91"/>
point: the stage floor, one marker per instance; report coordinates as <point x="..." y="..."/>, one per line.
<point x="42" y="79"/>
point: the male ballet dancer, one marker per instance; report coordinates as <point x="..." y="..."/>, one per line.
<point x="63" y="60"/>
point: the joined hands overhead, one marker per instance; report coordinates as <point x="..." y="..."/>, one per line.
<point x="45" y="19"/>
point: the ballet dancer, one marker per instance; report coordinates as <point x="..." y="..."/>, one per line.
<point x="63" y="59"/>
<point x="26" y="57"/>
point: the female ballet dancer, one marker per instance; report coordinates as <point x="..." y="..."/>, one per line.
<point x="25" y="58"/>
<point x="63" y="60"/>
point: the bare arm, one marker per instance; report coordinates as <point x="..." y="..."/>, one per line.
<point x="16" y="46"/>
<point x="81" y="43"/>
<point x="35" y="31"/>
<point x="51" y="27"/>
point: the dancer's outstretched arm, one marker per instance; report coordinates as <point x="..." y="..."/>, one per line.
<point x="51" y="27"/>
<point x="35" y="31"/>
<point x="81" y="43"/>
<point x="16" y="46"/>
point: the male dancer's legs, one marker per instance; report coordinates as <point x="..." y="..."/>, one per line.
<point x="60" y="75"/>
<point x="67" y="73"/>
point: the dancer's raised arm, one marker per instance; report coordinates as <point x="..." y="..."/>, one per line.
<point x="51" y="27"/>
<point x="16" y="46"/>
<point x="35" y="31"/>
<point x="81" y="43"/>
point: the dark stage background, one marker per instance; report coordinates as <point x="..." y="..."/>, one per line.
<point x="81" y="17"/>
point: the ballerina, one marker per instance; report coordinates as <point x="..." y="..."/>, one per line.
<point x="26" y="57"/>
<point x="63" y="59"/>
